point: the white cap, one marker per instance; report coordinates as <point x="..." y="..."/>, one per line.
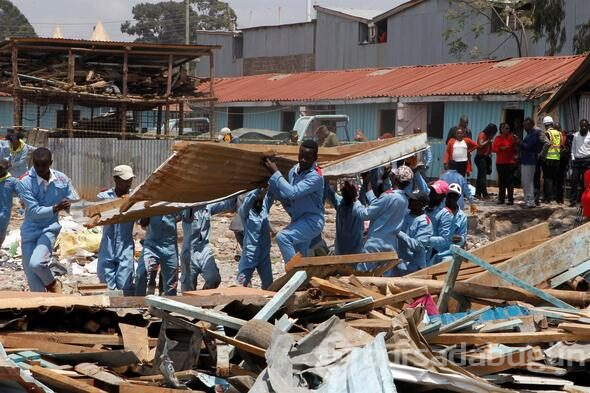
<point x="547" y="120"/>
<point x="224" y="131"/>
<point x="455" y="188"/>
<point x="123" y="171"/>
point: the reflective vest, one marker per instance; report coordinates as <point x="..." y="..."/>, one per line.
<point x="554" y="152"/>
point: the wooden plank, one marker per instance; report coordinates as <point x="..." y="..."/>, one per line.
<point x="61" y="382"/>
<point x="570" y="274"/>
<point x="300" y="262"/>
<point x="449" y="284"/>
<point x="545" y="260"/>
<point x="503" y="275"/>
<point x="395" y="299"/>
<point x="44" y="345"/>
<point x="501" y="363"/>
<point x="332" y="288"/>
<point x="281" y="296"/>
<point x="360" y="291"/>
<point x="98" y="208"/>
<point x="462" y="321"/>
<point x="95" y="372"/>
<point x="135" y="339"/>
<point x="500" y="326"/>
<point x="212" y="316"/>
<point x="42" y="301"/>
<point x="75" y="338"/>
<point x="576" y="328"/>
<point x="137" y="387"/>
<point x="371" y="326"/>
<point x="506" y="338"/>
<point x="253" y="349"/>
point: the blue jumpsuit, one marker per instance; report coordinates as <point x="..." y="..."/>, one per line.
<point x="4" y="151"/>
<point x="41" y="226"/>
<point x="196" y="256"/>
<point x="459" y="227"/>
<point x="7" y="191"/>
<point x="452" y="176"/>
<point x="19" y="159"/>
<point x="442" y="225"/>
<point x="417" y="184"/>
<point x="256" y="246"/>
<point x="349" y="226"/>
<point x="413" y="247"/>
<point x="302" y="197"/>
<point x="116" y="253"/>
<point x="386" y="215"/>
<point x="160" y="247"/>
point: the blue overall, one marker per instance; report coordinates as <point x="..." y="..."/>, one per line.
<point x="349" y="226"/>
<point x="459" y="227"/>
<point x="413" y="247"/>
<point x="418" y="184"/>
<point x="19" y="159"/>
<point x="196" y="256"/>
<point x="41" y="226"/>
<point x="302" y="197"/>
<point x="452" y="176"/>
<point x="256" y="246"/>
<point x="7" y="191"/>
<point x="160" y="248"/>
<point x="442" y="225"/>
<point x="386" y="215"/>
<point x="116" y="253"/>
<point x="4" y="151"/>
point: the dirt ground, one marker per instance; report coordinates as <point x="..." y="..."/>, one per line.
<point x="509" y="219"/>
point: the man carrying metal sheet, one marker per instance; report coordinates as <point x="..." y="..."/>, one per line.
<point x="117" y="249"/>
<point x="45" y="192"/>
<point x="302" y="196"/>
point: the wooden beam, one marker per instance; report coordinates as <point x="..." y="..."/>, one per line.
<point x="558" y="255"/>
<point x="143" y="388"/>
<point x="180" y="124"/>
<point x="124" y="88"/>
<point x="98" y="373"/>
<point x="43" y="301"/>
<point x="212" y="316"/>
<point x="44" y="345"/>
<point x="135" y="339"/>
<point x="167" y="119"/>
<point x="546" y="336"/>
<point x="570" y="274"/>
<point x="253" y="349"/>
<point x="169" y="76"/>
<point x="75" y="338"/>
<point x="332" y="288"/>
<point x="61" y="382"/>
<point x="212" y="114"/>
<point x="159" y="122"/>
<point x="577" y="328"/>
<point x="512" y="279"/>
<point x="397" y="298"/>
<point x="299" y="262"/>
<point x="497" y="364"/>
<point x="449" y="284"/>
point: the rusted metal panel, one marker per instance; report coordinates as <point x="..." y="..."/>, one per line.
<point x="89" y="162"/>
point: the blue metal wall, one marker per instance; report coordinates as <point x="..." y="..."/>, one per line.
<point x="362" y="116"/>
<point x="266" y="118"/>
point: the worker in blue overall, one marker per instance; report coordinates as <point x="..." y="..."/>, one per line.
<point x="160" y="250"/>
<point x="441" y="218"/>
<point x="386" y="213"/>
<point x="117" y="248"/>
<point x="20" y="152"/>
<point x="453" y="176"/>
<point x="413" y="241"/>
<point x="7" y="191"/>
<point x="45" y="192"/>
<point x="256" y="246"/>
<point x="196" y="256"/>
<point x="302" y="196"/>
<point x="349" y="225"/>
<point x="459" y="223"/>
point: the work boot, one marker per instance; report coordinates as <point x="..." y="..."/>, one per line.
<point x="55" y="287"/>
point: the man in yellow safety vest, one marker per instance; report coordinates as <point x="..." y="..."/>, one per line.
<point x="552" y="161"/>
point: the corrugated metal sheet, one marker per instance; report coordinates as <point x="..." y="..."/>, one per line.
<point x="364" y="117"/>
<point x="89" y="162"/>
<point x="529" y="77"/>
<point x="262" y="118"/>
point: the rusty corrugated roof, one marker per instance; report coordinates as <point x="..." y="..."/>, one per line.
<point x="529" y="77"/>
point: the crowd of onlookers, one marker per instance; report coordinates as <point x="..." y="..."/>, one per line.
<point x="546" y="157"/>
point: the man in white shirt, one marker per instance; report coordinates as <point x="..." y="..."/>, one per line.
<point x="580" y="160"/>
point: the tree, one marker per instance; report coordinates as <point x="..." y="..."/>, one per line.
<point x="13" y="23"/>
<point x="164" y="22"/>
<point x="582" y="38"/>
<point x="510" y="18"/>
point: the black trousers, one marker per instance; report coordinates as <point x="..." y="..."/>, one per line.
<point x="461" y="167"/>
<point x="550" y="180"/>
<point x="537" y="181"/>
<point x="505" y="181"/>
<point x="484" y="164"/>
<point x="579" y="167"/>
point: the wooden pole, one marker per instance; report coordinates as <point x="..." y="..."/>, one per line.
<point x="125" y="73"/>
<point x="16" y="102"/>
<point x="70" y="106"/>
<point x="123" y="121"/>
<point x="169" y="80"/>
<point x="167" y="119"/>
<point x="38" y="116"/>
<point x="447" y="289"/>
<point x="180" y="124"/>
<point x="212" y="125"/>
<point x="159" y="122"/>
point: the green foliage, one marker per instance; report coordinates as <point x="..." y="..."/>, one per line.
<point x="548" y="22"/>
<point x="13" y="23"/>
<point x="582" y="38"/>
<point x="164" y="22"/>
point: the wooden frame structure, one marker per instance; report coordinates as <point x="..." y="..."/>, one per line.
<point x="149" y="60"/>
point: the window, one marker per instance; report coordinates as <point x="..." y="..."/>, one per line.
<point x="381" y="31"/>
<point x="387" y="119"/>
<point x="235" y="118"/>
<point x="238" y="46"/>
<point x="61" y="118"/>
<point x="372" y="33"/>
<point x="287" y="120"/>
<point x="436" y="120"/>
<point x="363" y="33"/>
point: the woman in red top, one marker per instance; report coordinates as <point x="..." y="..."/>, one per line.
<point x="586" y="195"/>
<point x="505" y="146"/>
<point x="459" y="150"/>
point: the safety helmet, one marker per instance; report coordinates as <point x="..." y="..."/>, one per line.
<point x="455" y="188"/>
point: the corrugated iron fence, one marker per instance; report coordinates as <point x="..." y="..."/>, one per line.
<point x="89" y="162"/>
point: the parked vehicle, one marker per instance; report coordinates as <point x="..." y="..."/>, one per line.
<point x="306" y="126"/>
<point x="192" y="126"/>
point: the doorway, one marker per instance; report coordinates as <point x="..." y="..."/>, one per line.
<point x="515" y="118"/>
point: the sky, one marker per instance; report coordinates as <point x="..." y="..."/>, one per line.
<point x="77" y="17"/>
